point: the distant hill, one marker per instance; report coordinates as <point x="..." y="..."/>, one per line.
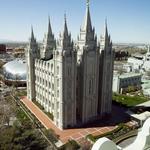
<point x="13" y="44"/>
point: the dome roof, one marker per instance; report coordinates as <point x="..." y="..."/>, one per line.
<point x="15" y="70"/>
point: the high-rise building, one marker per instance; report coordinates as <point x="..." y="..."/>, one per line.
<point x="2" y="48"/>
<point x="72" y="81"/>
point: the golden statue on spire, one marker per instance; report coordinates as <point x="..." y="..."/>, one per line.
<point x="88" y="2"/>
<point x="65" y="16"/>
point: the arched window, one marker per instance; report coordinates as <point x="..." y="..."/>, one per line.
<point x="57" y="115"/>
<point x="51" y="66"/>
<point x="52" y="86"/>
<point x="69" y="71"/>
<point x="58" y="93"/>
<point x="57" y="82"/>
<point x="90" y="86"/>
<point x="57" y="70"/>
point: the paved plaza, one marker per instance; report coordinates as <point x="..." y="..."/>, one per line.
<point x="66" y="134"/>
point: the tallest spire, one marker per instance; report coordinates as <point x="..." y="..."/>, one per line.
<point x="87" y="3"/>
<point x="87" y="25"/>
<point x="87" y="32"/>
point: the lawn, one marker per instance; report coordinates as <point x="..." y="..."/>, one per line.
<point x="129" y="101"/>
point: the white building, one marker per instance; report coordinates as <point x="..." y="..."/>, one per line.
<point x="139" y="118"/>
<point x="135" y="63"/>
<point x="123" y="81"/>
<point x="72" y="82"/>
<point x="146" y="65"/>
<point x="140" y="63"/>
<point x="146" y="87"/>
<point x="140" y="143"/>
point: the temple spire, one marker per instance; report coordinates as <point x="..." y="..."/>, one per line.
<point x="88" y="3"/>
<point x="32" y="38"/>
<point x="33" y="46"/>
<point x="65" y="32"/>
<point x="49" y="43"/>
<point x="65" y="42"/>
<point x="32" y="33"/>
<point x="105" y="40"/>
<point x="87" y="25"/>
<point x="87" y="32"/>
<point x="49" y="27"/>
<point x="105" y="29"/>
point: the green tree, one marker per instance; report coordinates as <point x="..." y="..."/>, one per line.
<point x="17" y="138"/>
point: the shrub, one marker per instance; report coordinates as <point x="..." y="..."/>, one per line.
<point x="90" y="137"/>
<point x="51" y="135"/>
<point x="50" y="115"/>
<point x="38" y="104"/>
<point x="121" y="129"/>
<point x="70" y="145"/>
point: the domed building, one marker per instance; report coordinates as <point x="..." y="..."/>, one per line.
<point x="15" y="72"/>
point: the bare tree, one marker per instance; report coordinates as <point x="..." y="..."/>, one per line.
<point x="6" y="111"/>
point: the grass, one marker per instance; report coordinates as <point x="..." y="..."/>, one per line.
<point x="129" y="101"/>
<point x="21" y="116"/>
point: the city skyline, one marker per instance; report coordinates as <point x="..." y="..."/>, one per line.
<point x="127" y="21"/>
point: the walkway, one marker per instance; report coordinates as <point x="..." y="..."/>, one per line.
<point x="66" y="134"/>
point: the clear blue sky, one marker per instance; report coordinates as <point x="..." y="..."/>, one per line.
<point x="128" y="20"/>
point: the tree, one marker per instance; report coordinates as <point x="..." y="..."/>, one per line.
<point x="6" y="111"/>
<point x="17" y="138"/>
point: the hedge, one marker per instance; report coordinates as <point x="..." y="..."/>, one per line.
<point x="109" y="134"/>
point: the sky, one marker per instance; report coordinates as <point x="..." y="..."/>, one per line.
<point x="128" y="20"/>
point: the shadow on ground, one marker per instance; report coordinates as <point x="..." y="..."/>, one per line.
<point x="117" y="116"/>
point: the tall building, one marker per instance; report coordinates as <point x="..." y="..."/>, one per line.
<point x="2" y="48"/>
<point x="72" y="81"/>
<point x="106" y="64"/>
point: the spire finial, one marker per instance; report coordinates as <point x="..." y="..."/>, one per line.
<point x="105" y="21"/>
<point x="49" y="26"/>
<point x="87" y="25"/>
<point x="48" y="22"/>
<point x="87" y="3"/>
<point x="65" y="25"/>
<point x="32" y="34"/>
<point x="65" y="17"/>
<point x="48" y="19"/>
<point x="105" y="28"/>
